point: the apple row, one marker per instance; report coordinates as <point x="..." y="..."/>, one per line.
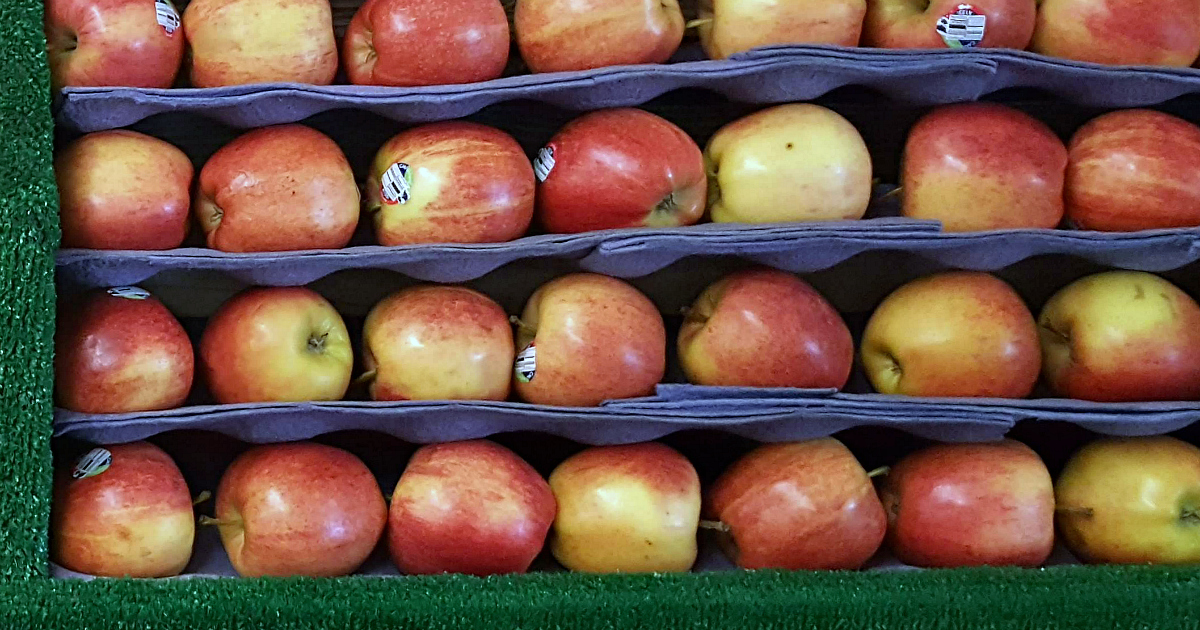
<point x="476" y="507"/>
<point x="139" y="43"/>
<point x="972" y="167"/>
<point x="584" y="338"/>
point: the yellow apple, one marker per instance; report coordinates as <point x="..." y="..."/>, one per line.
<point x="795" y="162"/>
<point x="1132" y="501"/>
<point x="732" y="26"/>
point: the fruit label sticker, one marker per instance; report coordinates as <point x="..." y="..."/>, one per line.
<point x="963" y="28"/>
<point x="168" y="17"/>
<point x="93" y="463"/>
<point x="129" y="293"/>
<point x="526" y="364"/>
<point x="544" y="163"/>
<point x="395" y="184"/>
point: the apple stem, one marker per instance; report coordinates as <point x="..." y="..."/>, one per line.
<point x="522" y="326"/>
<point x="365" y="377"/>
<point x="895" y="192"/>
<point x="202" y="497"/>
<point x="1075" y="511"/>
<point x="715" y="526"/>
<point x="698" y="22"/>
<point x="208" y="520"/>
<point x="882" y="470"/>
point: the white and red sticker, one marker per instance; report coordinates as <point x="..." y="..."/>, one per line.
<point x="396" y="183"/>
<point x="526" y="363"/>
<point x="167" y="16"/>
<point x="129" y="293"/>
<point x="92" y="463"/>
<point x="544" y="162"/>
<point x="963" y="28"/>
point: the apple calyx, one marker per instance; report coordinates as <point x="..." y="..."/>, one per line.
<point x="663" y="214"/>
<point x="1190" y="516"/>
<point x="316" y="343"/>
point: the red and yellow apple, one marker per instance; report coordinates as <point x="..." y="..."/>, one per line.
<point x="113" y="43"/>
<point x="632" y="508"/>
<point x="426" y="42"/>
<point x="960" y="505"/>
<point x="122" y="511"/>
<point x="619" y="168"/>
<point x="949" y="23"/>
<point x="450" y="182"/>
<point x="1119" y="32"/>
<point x="953" y="334"/>
<point x="585" y="338"/>
<point x="1122" y="336"/>
<point x="727" y="27"/>
<point x="983" y="166"/>
<point x="468" y="507"/>
<point x="123" y="190"/>
<point x="120" y="351"/>
<point x="797" y="505"/>
<point x="276" y="344"/>
<point x="438" y="342"/>
<point x="238" y="42"/>
<point x="765" y="328"/>
<point x="794" y="162"/>
<point x="1131" y="501"/>
<point x="566" y="35"/>
<point x="287" y="187"/>
<point x="1132" y="170"/>
<point x="299" y="509"/>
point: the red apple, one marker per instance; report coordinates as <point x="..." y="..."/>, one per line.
<point x="426" y="42"/>
<point x="949" y="23"/>
<point x="1122" y="336"/>
<point x="799" y="505"/>
<point x="959" y="505"/>
<point x="619" y="168"/>
<point x="299" y="509"/>
<point x="765" y="328"/>
<point x="953" y="334"/>
<point x="1133" y="170"/>
<point x="585" y="338"/>
<point x="119" y="43"/>
<point x="123" y="190"/>
<point x="468" y="507"/>
<point x="277" y="344"/>
<point x="287" y="187"/>
<point x="566" y="35"/>
<point x="1120" y="32"/>
<point x="983" y="166"/>
<point x="120" y="351"/>
<point x="438" y="342"/>
<point x="237" y="42"/>
<point x="731" y="26"/>
<point x="451" y="182"/>
<point x="122" y="511"/>
<point x="632" y="508"/>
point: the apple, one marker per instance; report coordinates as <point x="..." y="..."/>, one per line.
<point x="949" y="23"/>
<point x="727" y="27"/>
<point x="426" y="42"/>
<point x="632" y="508"/>
<point x="1131" y="170"/>
<point x="438" y="342"/>
<point x="959" y="333"/>
<point x="122" y="511"/>
<point x="797" y="505"/>
<point x="765" y="328"/>
<point x="123" y="190"/>
<point x="585" y="338"/>
<point x="238" y="42"/>
<point x="298" y="509"/>
<point x="276" y="344"/>
<point x="1131" y="501"/>
<point x="983" y="166"/>
<point x="1122" y="336"/>
<point x="113" y="43"/>
<point x="566" y="35"/>
<point x="1119" y="32"/>
<point x="960" y="505"/>
<point x="619" y="168"/>
<point x="450" y="182"/>
<point x="286" y="187"/>
<point x="793" y="162"/>
<point x="468" y="507"/>
<point x="120" y="351"/>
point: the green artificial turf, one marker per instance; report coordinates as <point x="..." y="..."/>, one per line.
<point x="1074" y="597"/>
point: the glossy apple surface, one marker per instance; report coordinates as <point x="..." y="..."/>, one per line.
<point x="925" y="24"/>
<point x="566" y="35"/>
<point x="470" y="507"/>
<point x="113" y="43"/>
<point x="733" y="26"/>
<point x="1119" y="32"/>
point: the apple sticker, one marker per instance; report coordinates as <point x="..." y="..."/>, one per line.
<point x="129" y="293"/>
<point x="526" y="364"/>
<point x="544" y="163"/>
<point x="395" y="184"/>
<point x="93" y="463"/>
<point x="167" y="16"/>
<point x="963" y="28"/>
